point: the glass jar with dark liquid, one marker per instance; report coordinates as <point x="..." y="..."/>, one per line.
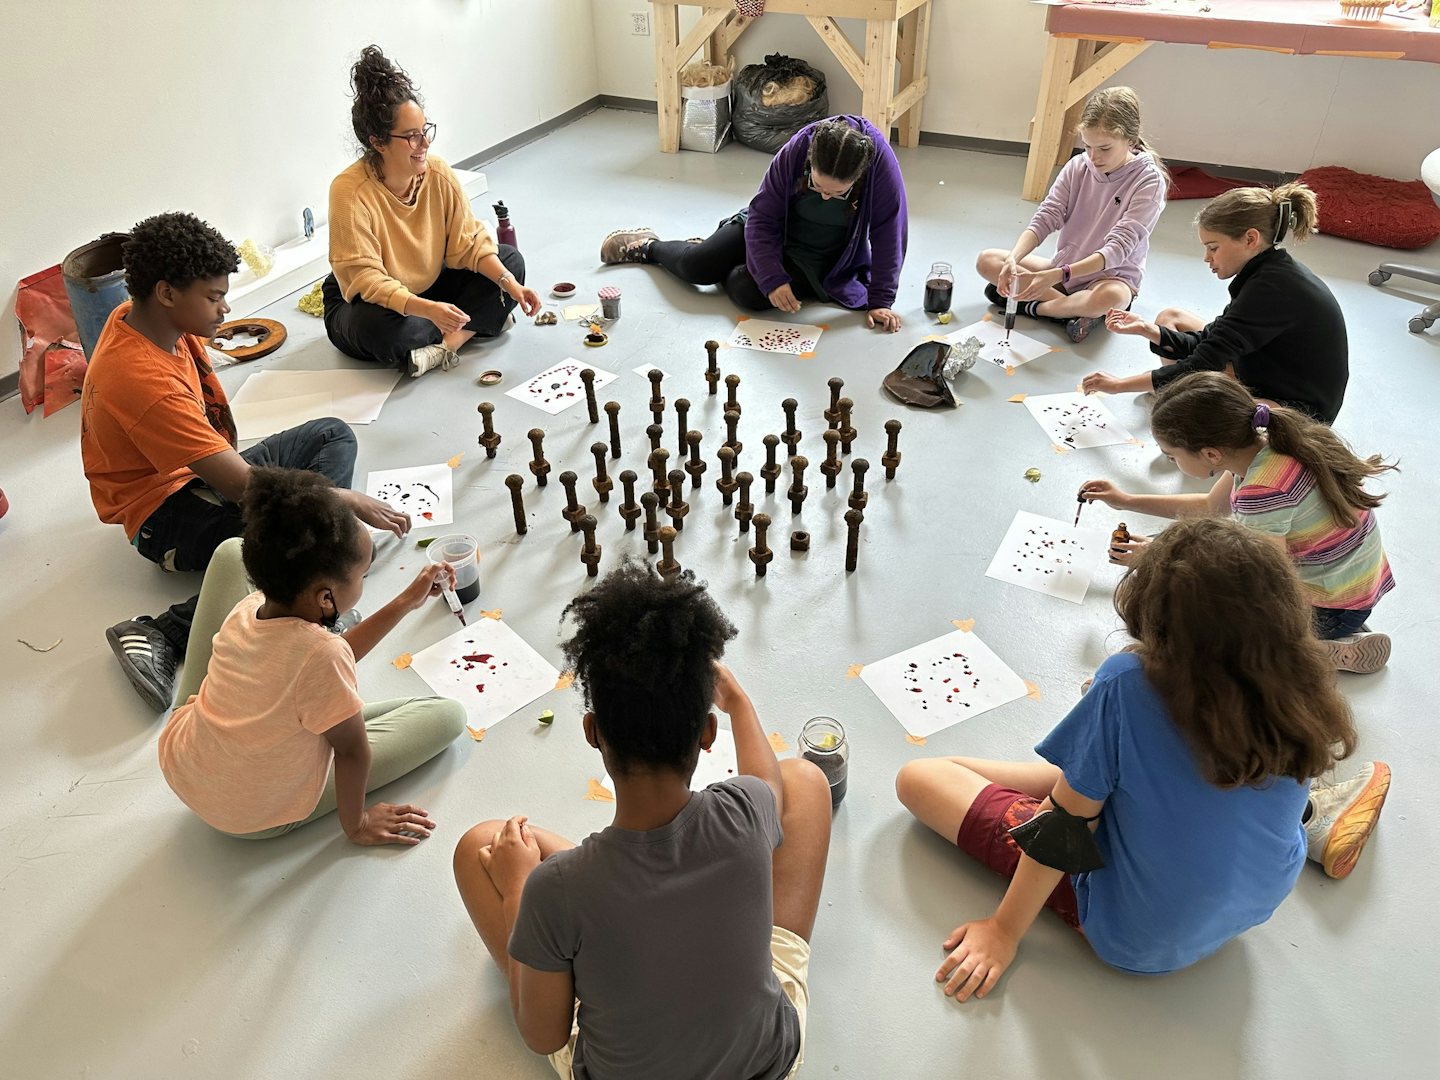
<point x="939" y="288"/>
<point x="823" y="741"/>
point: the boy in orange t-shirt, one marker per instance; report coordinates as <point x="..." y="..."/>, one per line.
<point x="158" y="441"/>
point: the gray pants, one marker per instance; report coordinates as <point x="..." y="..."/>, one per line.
<point x="404" y="733"/>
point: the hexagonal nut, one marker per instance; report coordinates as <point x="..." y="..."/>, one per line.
<point x="799" y="540"/>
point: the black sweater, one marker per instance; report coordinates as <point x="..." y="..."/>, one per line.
<point x="1282" y="332"/>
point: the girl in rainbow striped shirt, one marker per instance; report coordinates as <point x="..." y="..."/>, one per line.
<point x="1289" y="478"/>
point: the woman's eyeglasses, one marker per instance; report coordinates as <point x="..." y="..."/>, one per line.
<point x="416" y="139"/>
<point x="810" y="182"/>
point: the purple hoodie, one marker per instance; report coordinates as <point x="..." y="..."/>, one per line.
<point x="868" y="272"/>
<point x="1110" y="214"/>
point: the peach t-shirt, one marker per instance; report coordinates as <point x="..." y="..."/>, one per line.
<point x="248" y="752"/>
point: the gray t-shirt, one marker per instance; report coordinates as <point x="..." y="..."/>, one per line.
<point x="667" y="933"/>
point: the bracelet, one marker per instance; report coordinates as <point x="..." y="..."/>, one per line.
<point x="507" y="276"/>
<point x="1065" y="274"/>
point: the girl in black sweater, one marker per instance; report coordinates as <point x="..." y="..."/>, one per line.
<point x="1282" y="334"/>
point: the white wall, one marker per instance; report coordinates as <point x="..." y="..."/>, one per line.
<point x="1257" y="110"/>
<point x="118" y="111"/>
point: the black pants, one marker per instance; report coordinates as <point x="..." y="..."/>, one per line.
<point x="368" y="331"/>
<point x="187" y="528"/>
<point x="719" y="259"/>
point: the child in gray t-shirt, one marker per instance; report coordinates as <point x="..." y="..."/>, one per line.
<point x="683" y="928"/>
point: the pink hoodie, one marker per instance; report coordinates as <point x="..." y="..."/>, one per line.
<point x="1109" y="214"/>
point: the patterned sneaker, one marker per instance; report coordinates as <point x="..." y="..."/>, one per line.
<point x="1078" y="329"/>
<point x="1364" y="654"/>
<point x="147" y="659"/>
<point x="1342" y="817"/>
<point x="429" y="357"/>
<point x="626" y="246"/>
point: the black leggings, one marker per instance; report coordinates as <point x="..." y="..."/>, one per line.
<point x="719" y="259"/>
<point x="368" y="331"/>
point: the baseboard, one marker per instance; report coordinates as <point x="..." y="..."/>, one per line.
<point x="9" y="385"/>
<point x="627" y="104"/>
<point x="529" y="135"/>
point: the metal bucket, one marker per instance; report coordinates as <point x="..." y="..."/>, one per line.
<point x="95" y="283"/>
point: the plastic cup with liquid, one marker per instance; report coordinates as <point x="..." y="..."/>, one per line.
<point x="462" y="552"/>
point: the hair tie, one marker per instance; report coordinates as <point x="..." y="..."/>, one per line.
<point x="1282" y="223"/>
<point x="1261" y="420"/>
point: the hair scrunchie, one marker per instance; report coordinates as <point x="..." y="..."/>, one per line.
<point x="1261" y="420"/>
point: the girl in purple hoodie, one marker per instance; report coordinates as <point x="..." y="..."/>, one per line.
<point x="828" y="224"/>
<point x="1104" y="204"/>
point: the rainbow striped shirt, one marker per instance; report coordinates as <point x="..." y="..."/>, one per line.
<point x="1339" y="567"/>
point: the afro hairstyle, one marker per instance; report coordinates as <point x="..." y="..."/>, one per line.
<point x="177" y="248"/>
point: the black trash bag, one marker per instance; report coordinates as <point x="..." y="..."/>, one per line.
<point x="920" y="379"/>
<point x="769" y="127"/>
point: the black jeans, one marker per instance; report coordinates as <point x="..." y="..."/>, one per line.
<point x="187" y="528"/>
<point x="368" y="331"/>
<point x="719" y="259"/>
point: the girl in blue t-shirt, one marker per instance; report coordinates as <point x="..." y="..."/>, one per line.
<point x="1175" y="805"/>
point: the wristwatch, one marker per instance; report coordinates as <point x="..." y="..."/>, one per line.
<point x="1065" y="274"/>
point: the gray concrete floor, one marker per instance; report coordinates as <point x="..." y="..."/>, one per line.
<point x="141" y="944"/>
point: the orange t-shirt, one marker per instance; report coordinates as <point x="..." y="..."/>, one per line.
<point x="248" y="752"/>
<point x="145" y="415"/>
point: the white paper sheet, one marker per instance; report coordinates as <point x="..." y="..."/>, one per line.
<point x="258" y="419"/>
<point x="644" y="370"/>
<point x="1022" y="349"/>
<point x="425" y="492"/>
<point x="577" y="312"/>
<point x="942" y="682"/>
<point x="767" y="335"/>
<point x="1077" y="421"/>
<point x="716" y="764"/>
<point x="358" y="393"/>
<point x="488" y="668"/>
<point x="556" y="389"/>
<point x="1049" y="556"/>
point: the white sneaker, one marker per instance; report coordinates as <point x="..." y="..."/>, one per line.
<point x="1364" y="653"/>
<point x="429" y="357"/>
<point x="1343" y="816"/>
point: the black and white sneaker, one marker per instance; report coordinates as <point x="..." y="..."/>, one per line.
<point x="147" y="659"/>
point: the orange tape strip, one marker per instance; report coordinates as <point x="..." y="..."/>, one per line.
<point x="1256" y="48"/>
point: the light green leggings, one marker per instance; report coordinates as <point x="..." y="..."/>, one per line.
<point x="404" y="733"/>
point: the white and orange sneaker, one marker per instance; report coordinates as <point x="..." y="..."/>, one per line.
<point x="1343" y="815"/>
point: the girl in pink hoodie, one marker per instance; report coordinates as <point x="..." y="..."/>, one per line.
<point x="1104" y="204"/>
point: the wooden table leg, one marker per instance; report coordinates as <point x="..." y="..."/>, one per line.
<point x="1084" y="57"/>
<point x="879" y="86"/>
<point x="666" y="25"/>
<point x="914" y="51"/>
<point x="1049" y="115"/>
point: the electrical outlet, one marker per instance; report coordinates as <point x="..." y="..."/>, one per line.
<point x="640" y="23"/>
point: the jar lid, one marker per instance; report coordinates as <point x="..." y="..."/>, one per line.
<point x="609" y="292"/>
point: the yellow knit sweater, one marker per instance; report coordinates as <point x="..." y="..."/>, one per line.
<point x="385" y="251"/>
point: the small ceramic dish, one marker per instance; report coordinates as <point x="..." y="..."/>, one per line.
<point x="562" y="290"/>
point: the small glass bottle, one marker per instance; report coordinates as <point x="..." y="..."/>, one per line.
<point x="823" y="741"/>
<point x="939" y="288"/>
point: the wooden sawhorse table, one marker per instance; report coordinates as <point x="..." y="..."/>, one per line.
<point x="896" y="32"/>
<point x="1090" y="43"/>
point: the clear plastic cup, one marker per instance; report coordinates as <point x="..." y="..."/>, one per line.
<point x="461" y="551"/>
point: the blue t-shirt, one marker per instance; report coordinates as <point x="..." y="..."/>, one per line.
<point x="1188" y="865"/>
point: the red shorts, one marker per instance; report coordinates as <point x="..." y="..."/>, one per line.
<point x="985" y="835"/>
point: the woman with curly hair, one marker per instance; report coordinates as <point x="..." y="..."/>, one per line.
<point x="724" y="881"/>
<point x="1178" y="800"/>
<point x="414" y="274"/>
<point x="269" y="700"/>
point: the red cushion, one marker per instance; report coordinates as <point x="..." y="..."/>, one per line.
<point x="1189" y="182"/>
<point x="1375" y="209"/>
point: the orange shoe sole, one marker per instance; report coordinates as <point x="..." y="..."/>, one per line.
<point x="1347" y="838"/>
